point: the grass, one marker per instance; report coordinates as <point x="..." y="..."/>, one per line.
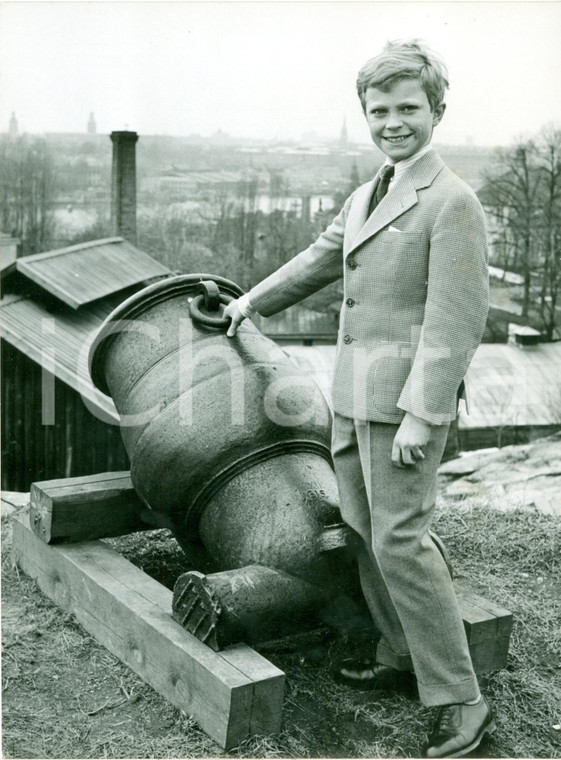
<point x="66" y="696"/>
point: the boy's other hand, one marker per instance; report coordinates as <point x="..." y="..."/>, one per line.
<point x="232" y="310"/>
<point x="412" y="435"/>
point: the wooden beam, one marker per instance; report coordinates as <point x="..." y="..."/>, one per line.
<point x="104" y="505"/>
<point x="232" y="695"/>
<point x="85" y="508"/>
<point x="488" y="627"/>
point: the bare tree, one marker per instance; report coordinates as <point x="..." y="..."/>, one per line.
<point x="512" y="195"/>
<point x="549" y="147"/>
<point x="27" y="192"/>
<point x="227" y="233"/>
<point x="522" y="195"/>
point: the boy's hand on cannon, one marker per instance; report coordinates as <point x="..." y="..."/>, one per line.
<point x="412" y="435"/>
<point x="233" y="311"/>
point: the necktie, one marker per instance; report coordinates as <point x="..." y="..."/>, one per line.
<point x="382" y="186"/>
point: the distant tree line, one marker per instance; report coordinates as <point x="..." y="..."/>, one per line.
<point x="27" y="189"/>
<point x="522" y="195"/>
<point x="229" y="235"/>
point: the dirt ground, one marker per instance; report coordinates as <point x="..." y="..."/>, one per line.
<point x="65" y="696"/>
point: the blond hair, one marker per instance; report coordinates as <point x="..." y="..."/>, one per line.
<point x="405" y="59"/>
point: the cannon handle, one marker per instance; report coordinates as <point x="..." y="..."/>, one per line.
<point x="209" y="295"/>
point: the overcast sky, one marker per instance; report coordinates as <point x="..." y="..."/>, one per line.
<point x="270" y="69"/>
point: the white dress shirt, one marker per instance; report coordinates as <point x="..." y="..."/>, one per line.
<point x="402" y="166"/>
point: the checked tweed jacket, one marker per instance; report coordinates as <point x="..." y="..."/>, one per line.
<point x="415" y="293"/>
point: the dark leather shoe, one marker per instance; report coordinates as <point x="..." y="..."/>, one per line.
<point x="458" y="729"/>
<point x="367" y="674"/>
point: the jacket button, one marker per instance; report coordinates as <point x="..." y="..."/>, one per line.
<point x="352" y="264"/>
<point x="350" y="302"/>
<point x="347" y="339"/>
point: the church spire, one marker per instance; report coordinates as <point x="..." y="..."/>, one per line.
<point x="13" y="125"/>
<point x="344" y="137"/>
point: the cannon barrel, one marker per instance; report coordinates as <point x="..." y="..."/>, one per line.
<point x="226" y="436"/>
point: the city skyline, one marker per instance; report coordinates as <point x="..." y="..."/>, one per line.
<point x="307" y="140"/>
<point x="270" y="70"/>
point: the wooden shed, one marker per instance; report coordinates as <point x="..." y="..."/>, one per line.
<point x="299" y="325"/>
<point x="514" y="392"/>
<point x="54" y="422"/>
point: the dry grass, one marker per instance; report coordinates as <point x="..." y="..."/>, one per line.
<point x="66" y="696"/>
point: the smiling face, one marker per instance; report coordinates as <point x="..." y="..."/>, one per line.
<point x="401" y="120"/>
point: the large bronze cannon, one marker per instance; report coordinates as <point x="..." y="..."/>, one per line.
<point x="229" y="443"/>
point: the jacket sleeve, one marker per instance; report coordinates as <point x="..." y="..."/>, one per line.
<point x="455" y="310"/>
<point x="309" y="271"/>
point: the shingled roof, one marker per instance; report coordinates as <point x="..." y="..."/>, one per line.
<point x="85" y="283"/>
<point x="81" y="274"/>
<point x="62" y="340"/>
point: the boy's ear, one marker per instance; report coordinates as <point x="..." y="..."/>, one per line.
<point x="438" y="114"/>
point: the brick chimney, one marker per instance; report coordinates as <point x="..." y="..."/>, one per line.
<point x="123" y="185"/>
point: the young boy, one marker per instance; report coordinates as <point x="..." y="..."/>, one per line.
<point x="411" y="249"/>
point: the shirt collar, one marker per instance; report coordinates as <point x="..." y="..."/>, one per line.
<point x="402" y="166"/>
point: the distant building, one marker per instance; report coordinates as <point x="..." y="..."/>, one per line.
<point x="13" y="125"/>
<point x="183" y="184"/>
<point x="514" y="392"/>
<point x="302" y="157"/>
<point x="92" y="127"/>
<point x="513" y="389"/>
<point x="256" y="190"/>
<point x="299" y="325"/>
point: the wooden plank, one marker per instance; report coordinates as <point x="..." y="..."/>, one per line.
<point x="488" y="627"/>
<point x="85" y="508"/>
<point x="24" y="465"/>
<point x="130" y="614"/>
<point x="266" y="712"/>
<point x="479" y="625"/>
<point x="489" y="654"/>
<point x="484" y="618"/>
<point x="103" y="505"/>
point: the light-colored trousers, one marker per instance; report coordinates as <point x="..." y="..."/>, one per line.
<point x="404" y="579"/>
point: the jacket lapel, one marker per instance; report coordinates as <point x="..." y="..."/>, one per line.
<point x="360" y="227"/>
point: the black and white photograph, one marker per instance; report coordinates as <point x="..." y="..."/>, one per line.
<point x="280" y="378"/>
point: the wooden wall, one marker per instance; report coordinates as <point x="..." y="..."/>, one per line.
<point x="77" y="444"/>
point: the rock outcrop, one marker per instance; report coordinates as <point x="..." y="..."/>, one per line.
<point x="528" y="475"/>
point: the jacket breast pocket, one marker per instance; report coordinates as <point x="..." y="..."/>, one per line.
<point x="398" y="238"/>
